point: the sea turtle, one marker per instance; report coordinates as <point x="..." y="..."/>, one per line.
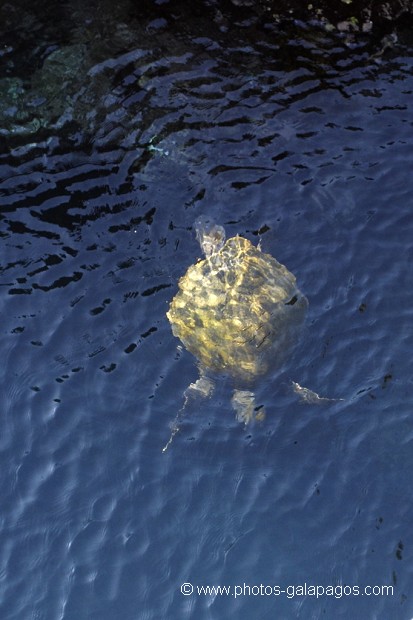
<point x="238" y="311"/>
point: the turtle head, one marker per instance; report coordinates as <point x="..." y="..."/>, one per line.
<point x="211" y="236"/>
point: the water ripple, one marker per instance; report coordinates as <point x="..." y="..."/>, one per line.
<point x="117" y="134"/>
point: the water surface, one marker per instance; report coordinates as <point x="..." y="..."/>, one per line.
<point x="119" y="128"/>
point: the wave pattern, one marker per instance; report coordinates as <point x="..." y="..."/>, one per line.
<point x="120" y="126"/>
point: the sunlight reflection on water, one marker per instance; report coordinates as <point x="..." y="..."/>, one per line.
<point x="288" y="137"/>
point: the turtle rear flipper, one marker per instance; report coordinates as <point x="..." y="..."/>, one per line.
<point x="243" y="402"/>
<point x="310" y="397"/>
<point x="201" y="388"/>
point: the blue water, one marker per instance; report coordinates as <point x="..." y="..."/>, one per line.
<point x="298" y="139"/>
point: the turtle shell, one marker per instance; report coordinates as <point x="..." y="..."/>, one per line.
<point x="238" y="310"/>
